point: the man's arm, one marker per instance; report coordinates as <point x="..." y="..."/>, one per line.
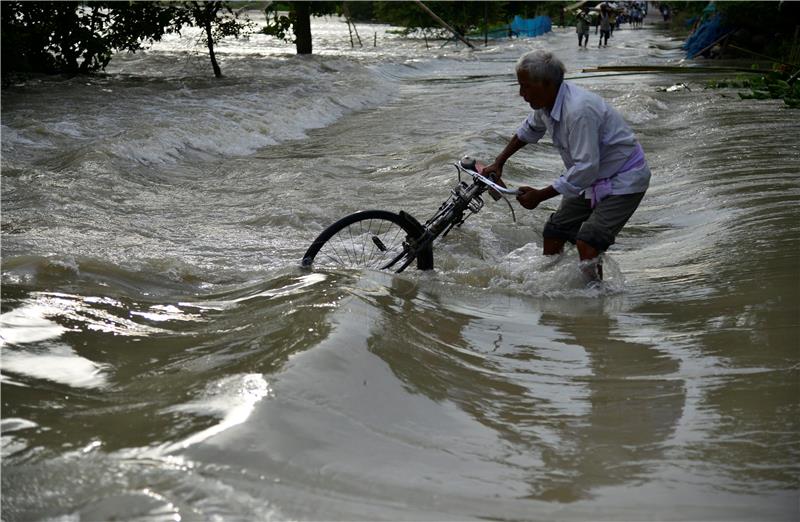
<point x="531" y="131"/>
<point x="496" y="168"/>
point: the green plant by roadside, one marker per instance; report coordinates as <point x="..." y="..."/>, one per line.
<point x="771" y="86"/>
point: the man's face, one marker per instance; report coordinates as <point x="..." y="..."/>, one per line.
<point x="537" y="94"/>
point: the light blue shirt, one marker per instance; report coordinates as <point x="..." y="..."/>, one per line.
<point x="593" y="139"/>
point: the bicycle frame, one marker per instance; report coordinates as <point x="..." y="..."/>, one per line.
<point x="463" y="198"/>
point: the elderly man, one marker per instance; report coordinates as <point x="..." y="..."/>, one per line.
<point x="606" y="175"/>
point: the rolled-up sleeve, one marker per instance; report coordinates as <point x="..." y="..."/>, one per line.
<point x="532" y="129"/>
<point x="584" y="149"/>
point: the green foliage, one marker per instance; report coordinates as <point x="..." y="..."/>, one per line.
<point x="217" y="19"/>
<point x="462" y="16"/>
<point x="73" y="37"/>
<point x="682" y="13"/>
<point x="283" y="17"/>
<point x="533" y="9"/>
<point x="362" y="11"/>
<point x="772" y="87"/>
<point x="405" y="14"/>
<point x="766" y="27"/>
<point x="220" y="16"/>
<point x="81" y="37"/>
<point x="767" y="87"/>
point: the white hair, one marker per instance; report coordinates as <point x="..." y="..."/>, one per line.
<point x="541" y="66"/>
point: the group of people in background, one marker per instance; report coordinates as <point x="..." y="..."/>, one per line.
<point x="606" y="18"/>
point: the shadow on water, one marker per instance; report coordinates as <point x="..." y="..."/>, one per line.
<point x="563" y="448"/>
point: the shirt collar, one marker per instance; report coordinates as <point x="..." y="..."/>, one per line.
<point x="555" y="113"/>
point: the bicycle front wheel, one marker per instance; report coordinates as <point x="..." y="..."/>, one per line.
<point x="374" y="239"/>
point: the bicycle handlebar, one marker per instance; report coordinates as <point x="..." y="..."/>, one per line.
<point x="477" y="176"/>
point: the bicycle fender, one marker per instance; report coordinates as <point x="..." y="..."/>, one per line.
<point x="425" y="254"/>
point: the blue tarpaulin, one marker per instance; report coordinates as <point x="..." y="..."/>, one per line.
<point x="519" y="27"/>
<point x="531" y="26"/>
<point x="711" y="29"/>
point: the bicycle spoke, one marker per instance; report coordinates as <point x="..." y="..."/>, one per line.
<point x="392" y="262"/>
<point x="396" y="234"/>
<point x="352" y="242"/>
<point x="344" y="246"/>
<point x="382" y="253"/>
<point x="368" y="262"/>
<point x="364" y="245"/>
<point x="337" y="261"/>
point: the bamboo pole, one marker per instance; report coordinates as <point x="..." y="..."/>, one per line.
<point x="444" y="24"/>
<point x="672" y="69"/>
<point x="603" y="75"/>
<point x="748" y="51"/>
<point x="712" y="44"/>
<point x="349" y="31"/>
<point x="346" y="12"/>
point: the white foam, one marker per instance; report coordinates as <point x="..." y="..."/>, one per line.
<point x="57" y="363"/>
<point x="29" y="324"/>
<point x="637" y="107"/>
<point x="232" y="398"/>
<point x="15" y="424"/>
<point x="172" y="120"/>
<point x="527" y="271"/>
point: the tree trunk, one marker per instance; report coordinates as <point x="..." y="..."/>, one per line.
<point x="302" y="27"/>
<point x="210" y="40"/>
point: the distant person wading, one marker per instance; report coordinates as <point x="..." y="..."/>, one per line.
<point x="607" y="174"/>
<point x="604" y="22"/>
<point x="582" y="27"/>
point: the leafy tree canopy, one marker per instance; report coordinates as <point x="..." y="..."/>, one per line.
<point x="220" y="16"/>
<point x="282" y="17"/>
<point x="463" y="16"/>
<point x="73" y="37"/>
<point x="81" y="37"/>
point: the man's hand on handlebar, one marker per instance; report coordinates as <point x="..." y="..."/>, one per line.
<point x="496" y="170"/>
<point x="531" y="197"/>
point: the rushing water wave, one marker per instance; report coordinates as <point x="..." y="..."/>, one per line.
<point x="164" y="357"/>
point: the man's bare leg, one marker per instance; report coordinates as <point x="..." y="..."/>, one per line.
<point x="588" y="253"/>
<point x="553" y="246"/>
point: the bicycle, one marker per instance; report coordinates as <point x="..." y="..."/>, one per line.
<point x="398" y="239"/>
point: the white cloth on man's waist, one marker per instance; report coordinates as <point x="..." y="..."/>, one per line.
<point x="594" y="141"/>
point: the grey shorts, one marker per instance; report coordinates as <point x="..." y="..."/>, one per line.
<point x="576" y="219"/>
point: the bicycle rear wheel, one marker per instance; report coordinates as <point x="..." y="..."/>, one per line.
<point x="373" y="239"/>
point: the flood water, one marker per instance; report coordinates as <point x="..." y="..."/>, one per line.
<point x="165" y="358"/>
